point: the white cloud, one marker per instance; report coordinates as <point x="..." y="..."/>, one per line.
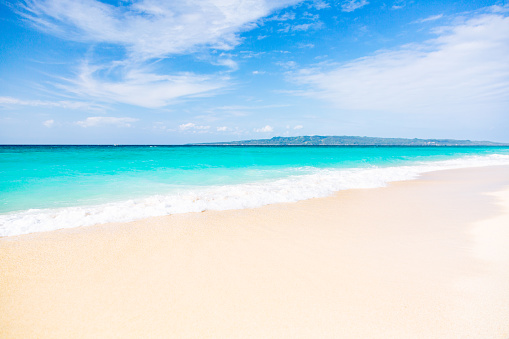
<point x="103" y="121"/>
<point x="298" y="127"/>
<point x="192" y="126"/>
<point x="251" y="54"/>
<point x="187" y="126"/>
<point x="264" y="129"/>
<point x="499" y="9"/>
<point x="283" y="17"/>
<point x="49" y="123"/>
<point x="430" y="18"/>
<point x="352" y="5"/>
<point x="306" y="27"/>
<point x="227" y="62"/>
<point x="314" y="24"/>
<point x="151" y="28"/>
<point x="465" y="69"/>
<point x="146" y="30"/>
<point x="159" y="125"/>
<point x="223" y="129"/>
<point x="288" y="64"/>
<point x="140" y="87"/>
<point x="308" y="45"/>
<point x="398" y="4"/>
<point x="319" y="4"/>
<point x="239" y="107"/>
<point x="41" y="103"/>
<point x="307" y="21"/>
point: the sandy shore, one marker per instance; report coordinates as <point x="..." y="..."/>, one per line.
<point x="419" y="259"/>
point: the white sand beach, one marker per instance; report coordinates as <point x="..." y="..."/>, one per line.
<point x="427" y="258"/>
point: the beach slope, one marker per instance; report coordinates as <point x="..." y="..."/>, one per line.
<point x="426" y="258"/>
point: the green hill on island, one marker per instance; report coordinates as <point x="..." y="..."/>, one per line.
<point x="317" y="140"/>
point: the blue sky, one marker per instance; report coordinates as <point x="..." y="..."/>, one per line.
<point x="172" y="72"/>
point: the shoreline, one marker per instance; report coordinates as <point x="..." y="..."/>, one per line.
<point x="423" y="258"/>
<point x="292" y="188"/>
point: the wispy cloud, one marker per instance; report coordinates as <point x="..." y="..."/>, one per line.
<point x="464" y="70"/>
<point x="49" y="123"/>
<point x="139" y="86"/>
<point x="304" y="22"/>
<point x="104" y="121"/>
<point x="306" y="27"/>
<point x="227" y="61"/>
<point x="150" y="28"/>
<point x="398" y="4"/>
<point x="192" y="126"/>
<point x="430" y="18"/>
<point x="352" y="5"/>
<point x="499" y="8"/>
<point x="282" y="17"/>
<point x="303" y="45"/>
<point x="264" y="129"/>
<point x="243" y="107"/>
<point x="10" y="101"/>
<point x="288" y="64"/>
<point x="319" y="4"/>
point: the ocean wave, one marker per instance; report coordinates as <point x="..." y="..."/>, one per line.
<point x="318" y="183"/>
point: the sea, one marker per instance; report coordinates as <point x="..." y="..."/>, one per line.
<point x="44" y="188"/>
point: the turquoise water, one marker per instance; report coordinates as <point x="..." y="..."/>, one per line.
<point x="52" y="177"/>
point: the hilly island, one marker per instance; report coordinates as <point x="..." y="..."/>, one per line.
<point x="317" y="140"/>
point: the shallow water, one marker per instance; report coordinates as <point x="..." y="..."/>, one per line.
<point x="50" y="187"/>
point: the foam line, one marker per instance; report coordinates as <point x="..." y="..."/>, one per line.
<point x="319" y="183"/>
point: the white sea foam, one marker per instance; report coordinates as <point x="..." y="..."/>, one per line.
<point x="320" y="183"/>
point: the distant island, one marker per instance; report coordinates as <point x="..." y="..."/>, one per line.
<point x="317" y="140"/>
